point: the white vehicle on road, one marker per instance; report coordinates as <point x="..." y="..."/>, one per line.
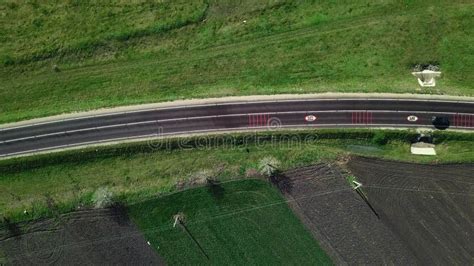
<point x="310" y="118"/>
<point x="412" y="118"/>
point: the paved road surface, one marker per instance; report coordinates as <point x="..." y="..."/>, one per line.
<point x="232" y="116"/>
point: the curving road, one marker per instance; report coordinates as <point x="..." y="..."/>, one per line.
<point x="232" y="116"/>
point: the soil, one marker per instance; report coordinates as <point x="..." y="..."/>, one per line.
<point x="90" y="237"/>
<point x="429" y="207"/>
<point x="339" y="219"/>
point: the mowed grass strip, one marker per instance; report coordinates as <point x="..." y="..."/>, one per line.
<point x="175" y="50"/>
<point x="250" y="223"/>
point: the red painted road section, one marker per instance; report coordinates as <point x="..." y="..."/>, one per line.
<point x="362" y="117"/>
<point x="463" y="120"/>
<point x="258" y="120"/>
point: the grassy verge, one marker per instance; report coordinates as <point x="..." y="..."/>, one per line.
<point x="180" y="49"/>
<point x="250" y="223"/>
<point x="133" y="172"/>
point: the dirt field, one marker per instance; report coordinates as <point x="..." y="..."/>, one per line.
<point x="342" y="222"/>
<point x="430" y="207"/>
<point x="94" y="237"/>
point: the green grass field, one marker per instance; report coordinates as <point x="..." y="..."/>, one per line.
<point x="138" y="172"/>
<point x="117" y="53"/>
<point x="249" y="224"/>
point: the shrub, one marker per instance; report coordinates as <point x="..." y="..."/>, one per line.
<point x="102" y="198"/>
<point x="268" y="166"/>
<point x="380" y="138"/>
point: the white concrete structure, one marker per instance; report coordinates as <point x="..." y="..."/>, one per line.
<point x="421" y="148"/>
<point x="426" y="78"/>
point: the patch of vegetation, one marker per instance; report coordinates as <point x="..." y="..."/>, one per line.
<point x="123" y="53"/>
<point x="379" y="138"/>
<point x="53" y="30"/>
<point x="350" y="180"/>
<point x="138" y="171"/>
<point x="268" y="166"/>
<point x="251" y="224"/>
<point x="102" y="198"/>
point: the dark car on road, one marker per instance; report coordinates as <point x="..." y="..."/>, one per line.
<point x="440" y="122"/>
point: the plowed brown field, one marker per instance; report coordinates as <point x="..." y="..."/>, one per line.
<point x="341" y="221"/>
<point x="93" y="237"/>
<point x="429" y="207"/>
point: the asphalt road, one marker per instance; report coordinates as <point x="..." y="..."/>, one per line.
<point x="232" y="116"/>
